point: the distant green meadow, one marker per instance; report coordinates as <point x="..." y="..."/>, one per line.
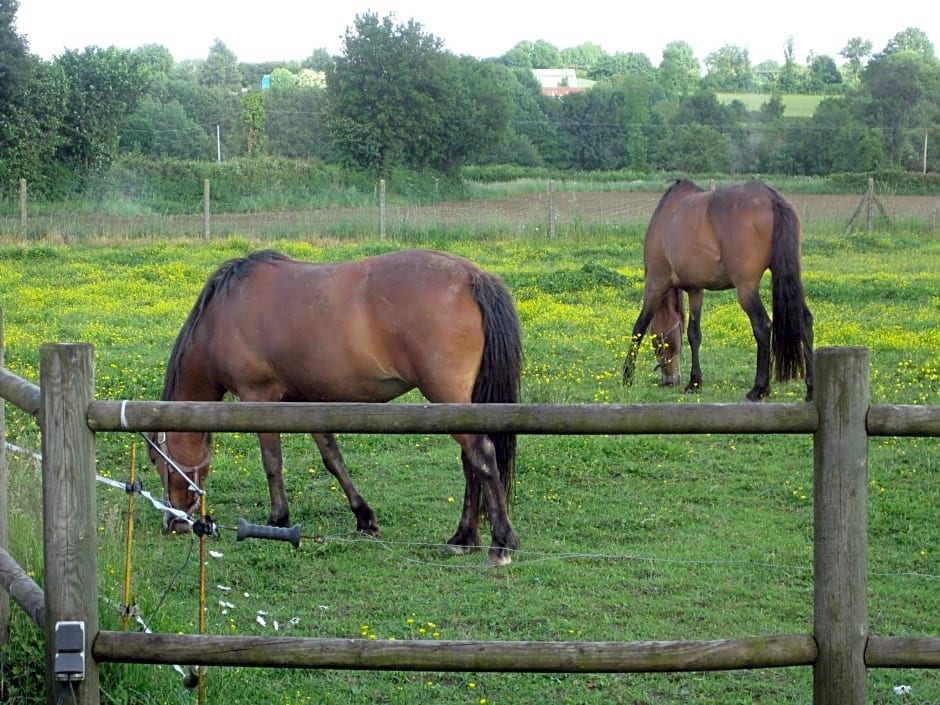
<point x="623" y="537"/>
<point x="795" y="104"/>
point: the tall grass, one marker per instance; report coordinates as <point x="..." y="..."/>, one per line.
<point x="623" y="538"/>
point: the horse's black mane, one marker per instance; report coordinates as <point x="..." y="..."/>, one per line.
<point x="673" y="187"/>
<point x="217" y="285"/>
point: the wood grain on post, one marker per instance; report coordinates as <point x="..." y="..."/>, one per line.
<point x="66" y="375"/>
<point x="840" y="515"/>
<point x="490" y="656"/>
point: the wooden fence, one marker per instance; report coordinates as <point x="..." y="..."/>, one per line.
<point x="840" y="649"/>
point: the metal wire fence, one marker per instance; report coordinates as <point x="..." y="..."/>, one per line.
<point x="546" y="213"/>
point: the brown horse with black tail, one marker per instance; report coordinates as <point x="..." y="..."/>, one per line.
<point x="700" y="240"/>
<point x="269" y="328"/>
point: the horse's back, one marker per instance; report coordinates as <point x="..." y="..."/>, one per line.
<point x="366" y="330"/>
<point x="711" y="239"/>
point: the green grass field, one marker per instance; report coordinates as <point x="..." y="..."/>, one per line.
<point x="623" y="538"/>
<point x="795" y="104"/>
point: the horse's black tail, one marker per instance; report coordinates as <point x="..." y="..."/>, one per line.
<point x="791" y="331"/>
<point x="501" y="370"/>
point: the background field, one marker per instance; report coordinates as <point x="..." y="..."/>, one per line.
<point x="529" y="208"/>
<point x="623" y="538"/>
<point x="795" y="104"/>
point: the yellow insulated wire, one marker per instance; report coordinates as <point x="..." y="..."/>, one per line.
<point x="126" y="611"/>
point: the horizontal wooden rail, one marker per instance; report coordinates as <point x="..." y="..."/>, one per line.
<point x="902" y="652"/>
<point x="504" y="656"/>
<point x="23" y="589"/>
<point x="903" y="420"/>
<point x="452" y="418"/>
<point x="18" y="391"/>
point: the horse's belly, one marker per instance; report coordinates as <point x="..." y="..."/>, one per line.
<point x="709" y="278"/>
<point x="350" y="388"/>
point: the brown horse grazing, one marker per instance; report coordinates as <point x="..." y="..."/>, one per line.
<point x="716" y="240"/>
<point x="269" y="328"/>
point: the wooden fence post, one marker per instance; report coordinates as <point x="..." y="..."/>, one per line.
<point x="206" y="209"/>
<point x="552" y="214"/>
<point x="382" y="209"/>
<point x="840" y="516"/>
<point x="66" y="373"/>
<point x="24" y="231"/>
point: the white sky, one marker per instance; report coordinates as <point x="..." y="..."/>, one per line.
<point x="275" y="30"/>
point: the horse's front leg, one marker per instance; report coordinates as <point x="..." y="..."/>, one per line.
<point x="273" y="463"/>
<point x="696" y="297"/>
<point x="636" y="337"/>
<point x="760" y="325"/>
<point x="333" y="460"/>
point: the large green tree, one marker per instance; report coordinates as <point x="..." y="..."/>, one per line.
<point x="603" y="129"/>
<point x="679" y="72"/>
<point x="855" y="52"/>
<point x="729" y="69"/>
<point x="31" y="105"/>
<point x="294" y="109"/>
<point x="534" y="55"/>
<point x="837" y="138"/>
<point x="531" y="139"/>
<point x="104" y="87"/>
<point x="822" y="75"/>
<point x="220" y="69"/>
<point x="14" y="55"/>
<point x="621" y="63"/>
<point x="581" y="57"/>
<point x="904" y="86"/>
<point x="397" y="99"/>
<point x="911" y="39"/>
<point x="788" y="80"/>
<point x="164" y="122"/>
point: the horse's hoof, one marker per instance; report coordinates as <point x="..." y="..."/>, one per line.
<point x="176" y="526"/>
<point x="454" y="550"/>
<point x="179" y="528"/>
<point x="462" y="545"/>
<point x="498" y="557"/>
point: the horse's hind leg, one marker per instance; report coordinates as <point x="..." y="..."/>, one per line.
<point x="467" y="536"/>
<point x="272" y="460"/>
<point x="760" y="325"/>
<point x="333" y="460"/>
<point x="481" y="461"/>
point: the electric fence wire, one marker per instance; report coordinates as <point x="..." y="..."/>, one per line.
<point x="523" y="557"/>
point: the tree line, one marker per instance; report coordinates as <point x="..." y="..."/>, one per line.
<point x="395" y="99"/>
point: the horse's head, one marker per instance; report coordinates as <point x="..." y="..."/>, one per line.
<point x="667" y="328"/>
<point x="182" y="461"/>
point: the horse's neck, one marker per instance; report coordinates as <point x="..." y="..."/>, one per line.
<point x="192" y="383"/>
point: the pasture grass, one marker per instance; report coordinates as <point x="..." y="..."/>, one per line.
<point x="623" y="538"/>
